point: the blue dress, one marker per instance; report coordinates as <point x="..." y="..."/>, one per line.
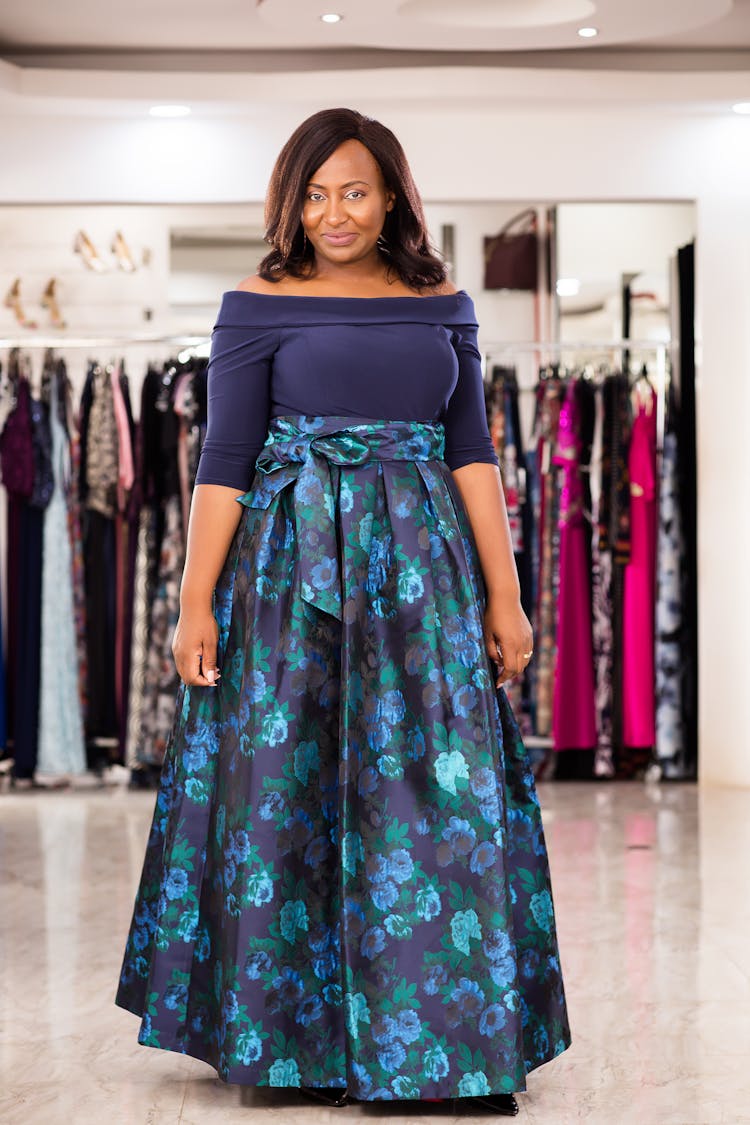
<point x="346" y="882"/>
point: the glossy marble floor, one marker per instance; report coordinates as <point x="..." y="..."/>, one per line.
<point x="652" y="889"/>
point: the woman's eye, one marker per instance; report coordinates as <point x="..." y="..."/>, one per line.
<point x="315" y="196"/>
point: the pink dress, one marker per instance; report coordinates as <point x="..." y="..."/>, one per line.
<point x="574" y="712"/>
<point x="638" y="695"/>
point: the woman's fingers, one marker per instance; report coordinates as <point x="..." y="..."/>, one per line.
<point x="194" y="651"/>
<point x="513" y="663"/>
<point x="209" y="669"/>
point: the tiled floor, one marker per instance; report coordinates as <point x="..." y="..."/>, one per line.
<point x="652" y="889"/>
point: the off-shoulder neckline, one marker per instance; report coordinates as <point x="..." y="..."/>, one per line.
<point x="336" y="297"/>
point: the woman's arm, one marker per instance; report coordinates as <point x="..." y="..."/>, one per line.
<point x="506" y="626"/>
<point x="214" y="516"/>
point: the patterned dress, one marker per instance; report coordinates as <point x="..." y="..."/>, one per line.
<point x="346" y="882"/>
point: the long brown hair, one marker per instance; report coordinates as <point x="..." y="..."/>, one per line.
<point x="403" y="242"/>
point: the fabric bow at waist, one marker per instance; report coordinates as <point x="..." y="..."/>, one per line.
<point x="301" y="449"/>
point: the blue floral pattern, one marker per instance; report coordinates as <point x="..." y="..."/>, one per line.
<point x="346" y="881"/>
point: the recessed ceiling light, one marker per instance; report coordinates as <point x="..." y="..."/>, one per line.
<point x="170" y="110"/>
<point x="741" y="107"/>
<point x="331" y="17"/>
<point x="568" y="287"/>
<point x="588" y="32"/>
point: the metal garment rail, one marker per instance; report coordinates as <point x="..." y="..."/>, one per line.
<point x="62" y="343"/>
<point x="494" y="351"/>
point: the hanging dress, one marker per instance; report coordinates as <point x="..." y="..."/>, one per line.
<point x="574" y="714"/>
<point x="638" y="688"/>
<point x="62" y="749"/>
<point x="346" y="882"/>
<point x="670" y="553"/>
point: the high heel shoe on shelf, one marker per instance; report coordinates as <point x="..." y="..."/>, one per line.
<point x="13" y="301"/>
<point x="327" y="1095"/>
<point x="90" y="255"/>
<point x="49" y="301"/>
<point x="121" y="251"/>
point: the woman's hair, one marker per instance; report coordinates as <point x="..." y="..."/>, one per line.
<point x="403" y="242"/>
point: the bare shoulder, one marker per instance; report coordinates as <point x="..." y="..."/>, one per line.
<point x="256" y="284"/>
<point x="444" y="289"/>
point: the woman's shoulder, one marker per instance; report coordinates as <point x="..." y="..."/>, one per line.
<point x="256" y="284"/>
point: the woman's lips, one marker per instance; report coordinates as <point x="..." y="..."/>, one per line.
<point x="339" y="239"/>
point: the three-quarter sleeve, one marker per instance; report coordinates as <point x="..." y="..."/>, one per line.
<point x="239" y="387"/>
<point x="467" y="434"/>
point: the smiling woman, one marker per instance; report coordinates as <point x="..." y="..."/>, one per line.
<point x="346" y="887"/>
<point x="343" y="181"/>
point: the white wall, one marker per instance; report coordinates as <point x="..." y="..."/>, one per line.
<point x="554" y="151"/>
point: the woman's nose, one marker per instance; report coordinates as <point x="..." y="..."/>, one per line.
<point x="335" y="211"/>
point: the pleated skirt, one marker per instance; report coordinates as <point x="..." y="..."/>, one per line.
<point x="346" y="880"/>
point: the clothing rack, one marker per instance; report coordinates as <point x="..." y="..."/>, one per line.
<point x="60" y="343"/>
<point x="494" y="350"/>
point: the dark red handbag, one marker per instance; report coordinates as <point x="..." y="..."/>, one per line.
<point x="511" y="259"/>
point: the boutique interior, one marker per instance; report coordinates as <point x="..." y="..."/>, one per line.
<point x="592" y="195"/>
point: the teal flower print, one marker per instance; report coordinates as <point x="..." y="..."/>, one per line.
<point x="436" y="1062"/>
<point x="177" y="883"/>
<point x="305" y="759"/>
<point x="427" y="903"/>
<point x="473" y="1085"/>
<point x="293" y="917"/>
<point x="410" y="584"/>
<point x="540" y="905"/>
<point x="352" y="851"/>
<point x="465" y="925"/>
<point x="492" y="1020"/>
<point x="284" y="1072"/>
<point x="274" y="728"/>
<point x="391" y="1057"/>
<point x="400" y="866"/>
<point x="409" y="1026"/>
<point x="397" y="926"/>
<point x="449" y="765"/>
<point x="325" y="573"/>
<point x="357" y="1011"/>
<point x="259" y="889"/>
<point x="404" y="1087"/>
<point x="310" y="889"/>
<point x="249" y="1047"/>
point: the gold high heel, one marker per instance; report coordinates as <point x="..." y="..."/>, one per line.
<point x="49" y="301"/>
<point x="121" y="251"/>
<point x="85" y="247"/>
<point x="13" y="301"/>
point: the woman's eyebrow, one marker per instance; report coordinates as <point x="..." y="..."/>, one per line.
<point x="347" y="184"/>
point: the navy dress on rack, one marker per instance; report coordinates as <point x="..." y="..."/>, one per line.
<point x="346" y="882"/>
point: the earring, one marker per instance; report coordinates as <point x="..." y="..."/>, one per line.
<point x="304" y="242"/>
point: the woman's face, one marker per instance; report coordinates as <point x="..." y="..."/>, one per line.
<point x="346" y="197"/>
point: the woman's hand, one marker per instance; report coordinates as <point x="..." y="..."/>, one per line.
<point x="194" y="647"/>
<point x="507" y="636"/>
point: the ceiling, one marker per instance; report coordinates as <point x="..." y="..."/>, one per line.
<point x="80" y="56"/>
<point x="33" y="30"/>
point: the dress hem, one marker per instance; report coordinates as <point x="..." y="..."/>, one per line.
<point x="179" y="1048"/>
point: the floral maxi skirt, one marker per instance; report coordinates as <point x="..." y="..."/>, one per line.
<point x="346" y="881"/>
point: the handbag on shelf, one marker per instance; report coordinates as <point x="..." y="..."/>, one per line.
<point x="511" y="257"/>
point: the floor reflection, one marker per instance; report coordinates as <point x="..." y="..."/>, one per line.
<point x="651" y="890"/>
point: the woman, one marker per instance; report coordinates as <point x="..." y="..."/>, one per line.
<point x="346" y="885"/>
